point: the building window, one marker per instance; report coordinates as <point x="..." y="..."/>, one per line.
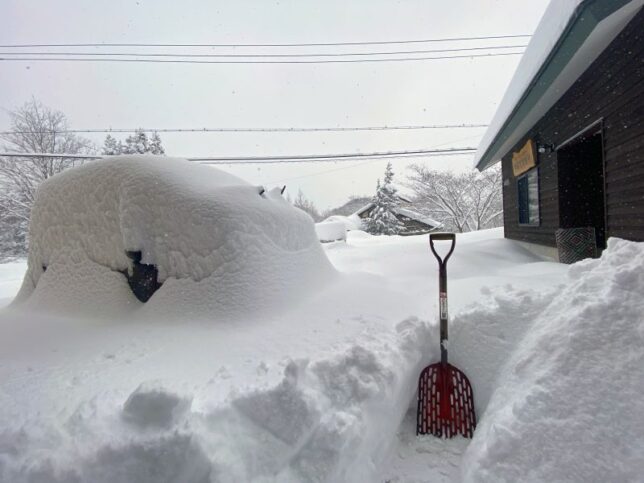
<point x="528" y="185"/>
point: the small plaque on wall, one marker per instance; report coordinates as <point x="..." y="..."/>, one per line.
<point x="524" y="159"/>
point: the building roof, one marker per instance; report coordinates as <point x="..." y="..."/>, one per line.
<point x="418" y="217"/>
<point x="569" y="37"/>
<point x="412" y="215"/>
<point x="400" y="197"/>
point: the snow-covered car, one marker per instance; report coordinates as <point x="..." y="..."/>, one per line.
<point x="183" y="238"/>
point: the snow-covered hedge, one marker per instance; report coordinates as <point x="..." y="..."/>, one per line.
<point x="219" y="244"/>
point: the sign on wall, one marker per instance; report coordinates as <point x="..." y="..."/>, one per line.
<point x="524" y="159"/>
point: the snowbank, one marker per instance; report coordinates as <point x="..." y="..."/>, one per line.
<point x="330" y="231"/>
<point x="351" y="222"/>
<point x="567" y="405"/>
<point x="220" y="245"/>
<point x="316" y="393"/>
<point x="322" y="419"/>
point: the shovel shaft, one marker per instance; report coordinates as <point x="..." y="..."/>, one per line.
<point x="442" y="303"/>
<point x="442" y="286"/>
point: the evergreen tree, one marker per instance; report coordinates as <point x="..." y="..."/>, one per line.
<point x="112" y="146"/>
<point x="382" y="219"/>
<point x="155" y="144"/>
<point x="138" y="143"/>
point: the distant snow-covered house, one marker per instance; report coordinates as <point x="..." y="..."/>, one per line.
<point x="413" y="222"/>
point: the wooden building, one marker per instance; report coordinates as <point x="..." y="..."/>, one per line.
<point x="570" y="129"/>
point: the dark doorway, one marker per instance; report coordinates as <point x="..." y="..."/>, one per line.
<point x="581" y="185"/>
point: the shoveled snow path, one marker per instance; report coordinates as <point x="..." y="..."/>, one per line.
<point x="485" y="271"/>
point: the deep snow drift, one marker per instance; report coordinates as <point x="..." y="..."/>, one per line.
<point x="221" y="245"/>
<point x="316" y="390"/>
<point x="567" y="405"/>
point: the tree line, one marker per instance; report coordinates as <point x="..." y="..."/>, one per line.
<point x="460" y="202"/>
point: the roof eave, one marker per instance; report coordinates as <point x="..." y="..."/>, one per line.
<point x="580" y="25"/>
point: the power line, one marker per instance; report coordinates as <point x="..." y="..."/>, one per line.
<point x="277" y="159"/>
<point x="179" y="61"/>
<point x="330" y="159"/>
<point x="256" y="129"/>
<point x="333" y="54"/>
<point x="320" y="173"/>
<point x="51" y="155"/>
<point x="363" y="163"/>
<point x="333" y="157"/>
<point x="325" y="44"/>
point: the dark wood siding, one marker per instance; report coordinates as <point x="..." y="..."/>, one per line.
<point x="611" y="89"/>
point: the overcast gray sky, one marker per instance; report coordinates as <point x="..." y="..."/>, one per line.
<point x="100" y="95"/>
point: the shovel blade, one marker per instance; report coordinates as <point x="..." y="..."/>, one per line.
<point x="445" y="402"/>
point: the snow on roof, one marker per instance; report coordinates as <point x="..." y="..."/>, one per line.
<point x="369" y="205"/>
<point x="418" y="217"/>
<point x="405" y="212"/>
<point x="547" y="69"/>
<point x="363" y="209"/>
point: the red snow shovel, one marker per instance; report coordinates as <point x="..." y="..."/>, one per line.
<point x="445" y="398"/>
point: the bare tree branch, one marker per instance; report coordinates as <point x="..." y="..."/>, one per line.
<point x="462" y="202"/>
<point x="35" y="128"/>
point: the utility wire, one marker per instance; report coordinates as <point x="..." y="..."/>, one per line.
<point x="332" y="157"/>
<point x="334" y="54"/>
<point x="363" y="163"/>
<point x="384" y="42"/>
<point x="255" y="129"/>
<point x="177" y="61"/>
<point x="275" y="159"/>
<point x="51" y="155"/>
<point x="343" y="168"/>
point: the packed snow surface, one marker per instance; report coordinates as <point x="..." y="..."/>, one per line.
<point x="323" y="388"/>
<point x="221" y="245"/>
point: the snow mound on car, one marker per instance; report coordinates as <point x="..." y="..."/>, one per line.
<point x="220" y="245"/>
<point x="568" y="404"/>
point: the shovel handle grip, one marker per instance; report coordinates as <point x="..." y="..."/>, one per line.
<point x="442" y="237"/>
